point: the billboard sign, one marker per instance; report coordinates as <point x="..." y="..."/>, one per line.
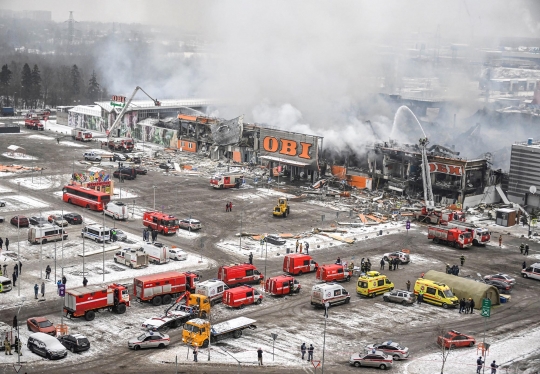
<point x="437" y="167"/>
<point x="289" y="146"/>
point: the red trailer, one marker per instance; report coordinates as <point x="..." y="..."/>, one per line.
<point x="163" y="223"/>
<point x="453" y="237"/>
<point x="86" y="301"/>
<point x="239" y="297"/>
<point x="282" y="285"/>
<point x="298" y="264"/>
<point x="160" y="288"/>
<point x="233" y="275"/>
<point x="333" y="272"/>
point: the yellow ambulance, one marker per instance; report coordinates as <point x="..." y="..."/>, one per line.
<point x="373" y="283"/>
<point x="436" y="293"/>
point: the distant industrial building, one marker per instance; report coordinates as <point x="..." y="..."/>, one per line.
<point x="525" y="173"/>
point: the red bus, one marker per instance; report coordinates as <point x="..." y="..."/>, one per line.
<point x="85" y="197"/>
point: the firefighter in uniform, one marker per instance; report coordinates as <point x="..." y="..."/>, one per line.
<point x="521" y="248"/>
<point x="7" y="346"/>
<point x="462" y="260"/>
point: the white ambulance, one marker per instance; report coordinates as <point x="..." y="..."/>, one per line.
<point x="332" y="293"/>
<point x="212" y="289"/>
<point x="158" y="253"/>
<point x="116" y="210"/>
<point x="46" y="233"/>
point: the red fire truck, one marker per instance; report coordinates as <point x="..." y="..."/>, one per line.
<point x="163" y="223"/>
<point x="298" y="264"/>
<point x="236" y="274"/>
<point x="33" y="121"/>
<point x="333" y="272"/>
<point x="226" y="180"/>
<point x="86" y="301"/>
<point x="81" y="135"/>
<point x="162" y="287"/>
<point x="121" y="144"/>
<point x="451" y="236"/>
<point x="239" y="297"/>
<point x="282" y="285"/>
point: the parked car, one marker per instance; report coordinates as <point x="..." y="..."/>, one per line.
<point x="400" y="296"/>
<point x="390" y="348"/>
<point x="118" y="157"/>
<point x="91" y="156"/>
<point x="41" y="324"/>
<point x="20" y="221"/>
<point x="140" y="170"/>
<point x="455" y="339"/>
<point x="73" y="218"/>
<point x="57" y="220"/>
<point x="120" y="235"/>
<point x="375" y="359"/>
<point x="126" y="173"/>
<point x="46" y="346"/>
<point x="149" y="339"/>
<point x="190" y="224"/>
<point x="75" y="342"/>
<point x="502" y="277"/>
<point x="2" y="203"/>
<point x="275" y="239"/>
<point x="166" y="166"/>
<point x="177" y="254"/>
<point x="403" y="257"/>
<point x="503" y="287"/>
<point x="37" y="220"/>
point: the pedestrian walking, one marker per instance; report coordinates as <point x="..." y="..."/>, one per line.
<point x="396" y="263"/>
<point x="462" y="260"/>
<point x="524" y="265"/>
<point x="310" y="352"/>
<point x="461" y="305"/>
<point x="42" y="289"/>
<point x="259" y="356"/>
<point x="521" y="248"/>
<point x="390" y="264"/>
<point x="7" y="244"/>
<point x="113" y="232"/>
<point x="420" y="297"/>
<point x="297" y="244"/>
<point x="16" y="269"/>
<point x="14" y="276"/>
<point x="251" y="258"/>
<point x="1" y="243"/>
<point x="7" y="346"/>
<point x="19" y="348"/>
<point x="472" y="305"/>
<point x="467" y="306"/>
<point x="457" y="270"/>
<point x="226" y="207"/>
<point x="368" y="265"/>
<point x="195" y="353"/>
<point x="408" y="285"/>
<point x="494" y="367"/>
<point x="382" y="263"/>
<point x="144" y="234"/>
<point x="448" y="268"/>
<point x="5" y="269"/>
<point x="500" y="240"/>
<point x="230" y="206"/>
<point x="36" y="290"/>
<point x="306" y="247"/>
<point x="20" y="267"/>
<point x="64" y="280"/>
<point x="479" y="364"/>
<point x="338" y="261"/>
<point x="84" y="281"/>
<point x="303" y="349"/>
<point x="301" y="246"/>
<point x="48" y="272"/>
<point x="526" y="249"/>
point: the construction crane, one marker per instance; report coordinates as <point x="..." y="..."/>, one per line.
<point x="125" y="108"/>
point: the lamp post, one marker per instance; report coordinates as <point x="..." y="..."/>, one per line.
<point x="40" y="255"/>
<point x="23" y="299"/>
<point x="326" y="306"/>
<point x="265" y="256"/>
<point x="154" y="187"/>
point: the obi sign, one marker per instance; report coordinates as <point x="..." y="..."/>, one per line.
<point x="437" y="167"/>
<point x="289" y="146"/>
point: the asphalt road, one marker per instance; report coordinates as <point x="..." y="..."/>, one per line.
<point x="192" y="195"/>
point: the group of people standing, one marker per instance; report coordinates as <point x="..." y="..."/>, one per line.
<point x="302" y="246"/>
<point x="310" y="350"/>
<point x="149" y="233"/>
<point x="466" y="305"/>
<point x="4" y="242"/>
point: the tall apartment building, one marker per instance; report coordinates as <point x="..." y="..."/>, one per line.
<point x="525" y="173"/>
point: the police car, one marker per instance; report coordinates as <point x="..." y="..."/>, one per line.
<point x="149" y="339"/>
<point x="390" y="348"/>
<point x="403" y="257"/>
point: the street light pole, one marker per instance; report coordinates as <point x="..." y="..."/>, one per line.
<point x="18" y="248"/>
<point x="265" y="257"/>
<point x="154" y="187"/>
<point x="40" y="255"/>
<point x="326" y="306"/>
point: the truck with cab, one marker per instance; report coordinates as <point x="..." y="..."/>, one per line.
<point x="333" y="273"/>
<point x="199" y="332"/>
<point x="331" y="293"/>
<point x="282" y="285"/>
<point x="453" y="237"/>
<point x="81" y="135"/>
<point x="227" y="180"/>
<point x="298" y="264"/>
<point x="195" y="306"/>
<point x="160" y="288"/>
<point x="233" y="275"/>
<point x="372" y="284"/>
<point x="131" y="257"/>
<point x="86" y="301"/>
<point x="164" y="223"/>
<point x="239" y="297"/>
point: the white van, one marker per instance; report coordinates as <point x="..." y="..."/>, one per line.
<point x="96" y="233"/>
<point x="91" y="156"/>
<point x="532" y="271"/>
<point x="46" y="233"/>
<point x="332" y="293"/>
<point x="131" y="257"/>
<point x="5" y="284"/>
<point x="45" y="345"/>
<point x="213" y="289"/>
<point x="116" y="210"/>
<point x="177" y="254"/>
<point x="158" y="253"/>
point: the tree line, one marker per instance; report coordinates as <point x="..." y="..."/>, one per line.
<point x="26" y="87"/>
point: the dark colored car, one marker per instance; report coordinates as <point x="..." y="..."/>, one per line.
<point x="503" y="287"/>
<point x="41" y="324"/>
<point x="73" y="218"/>
<point x="20" y="221"/>
<point x="165" y="166"/>
<point x="275" y="239"/>
<point x="455" y="339"/>
<point x="75" y="342"/>
<point x="140" y="170"/>
<point x="127" y="173"/>
<point x="36" y="221"/>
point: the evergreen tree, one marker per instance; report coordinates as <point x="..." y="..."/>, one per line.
<point x="36" y="86"/>
<point x="93" y="88"/>
<point x="5" y="80"/>
<point x="26" y="85"/>
<point x="75" y="82"/>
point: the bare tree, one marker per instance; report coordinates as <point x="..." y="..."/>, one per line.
<point x="445" y="345"/>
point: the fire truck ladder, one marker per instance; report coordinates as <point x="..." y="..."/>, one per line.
<point x="426" y="176"/>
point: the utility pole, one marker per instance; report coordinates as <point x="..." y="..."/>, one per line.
<point x="326" y="306"/>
